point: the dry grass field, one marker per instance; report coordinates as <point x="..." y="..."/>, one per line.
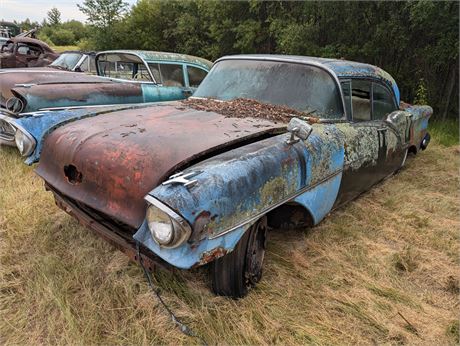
<point x="382" y="270"/>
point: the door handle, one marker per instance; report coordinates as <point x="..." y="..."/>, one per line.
<point x="382" y="129"/>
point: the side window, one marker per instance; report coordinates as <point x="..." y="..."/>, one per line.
<point x="361" y="99"/>
<point x="83" y="66"/>
<point x="155" y="69"/>
<point x="8" y="48"/>
<point x="346" y="89"/>
<point x="141" y="73"/>
<point x="172" y="75"/>
<point x="195" y="76"/>
<point x="382" y="103"/>
<point x="30" y="50"/>
<point x="92" y="65"/>
<point x="88" y="65"/>
<point x="117" y="69"/>
<point x="23" y="49"/>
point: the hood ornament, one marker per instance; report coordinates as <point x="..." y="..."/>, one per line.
<point x="183" y="179"/>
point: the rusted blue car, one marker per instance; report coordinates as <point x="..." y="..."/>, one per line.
<point x="266" y="142"/>
<point x="123" y="77"/>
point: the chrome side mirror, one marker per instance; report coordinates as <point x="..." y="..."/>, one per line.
<point x="298" y="128"/>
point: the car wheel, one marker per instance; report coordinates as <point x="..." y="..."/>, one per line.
<point x="235" y="273"/>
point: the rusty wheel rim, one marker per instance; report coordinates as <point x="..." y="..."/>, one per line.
<point x="255" y="254"/>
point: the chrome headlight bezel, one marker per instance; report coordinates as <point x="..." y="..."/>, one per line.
<point x="7" y="128"/>
<point x="180" y="229"/>
<point x="22" y="137"/>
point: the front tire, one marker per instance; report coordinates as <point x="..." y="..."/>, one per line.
<point x="235" y="273"/>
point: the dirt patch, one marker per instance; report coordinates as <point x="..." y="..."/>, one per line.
<point x="243" y="108"/>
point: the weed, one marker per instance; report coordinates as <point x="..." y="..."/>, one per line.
<point x="453" y="331"/>
<point x="445" y="132"/>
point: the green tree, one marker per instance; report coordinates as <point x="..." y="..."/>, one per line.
<point x="103" y="13"/>
<point x="54" y="17"/>
<point x="103" y="16"/>
<point x="413" y="41"/>
<point x="77" y="28"/>
<point x="62" y="37"/>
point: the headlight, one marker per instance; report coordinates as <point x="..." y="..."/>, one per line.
<point x="24" y="142"/>
<point x="168" y="229"/>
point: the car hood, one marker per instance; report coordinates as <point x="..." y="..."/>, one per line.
<point x="24" y="78"/>
<point x="110" y="162"/>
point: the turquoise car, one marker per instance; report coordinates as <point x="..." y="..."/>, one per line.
<point x="123" y="77"/>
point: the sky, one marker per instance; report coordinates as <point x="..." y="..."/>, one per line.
<point x="36" y="10"/>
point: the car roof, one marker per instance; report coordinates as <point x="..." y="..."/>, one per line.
<point x="32" y="41"/>
<point x="149" y="56"/>
<point x="340" y="67"/>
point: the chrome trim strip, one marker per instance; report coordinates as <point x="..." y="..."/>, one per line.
<point x="285" y="200"/>
<point x="139" y="105"/>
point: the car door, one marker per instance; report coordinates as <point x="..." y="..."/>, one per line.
<point x="391" y="143"/>
<point x="170" y="82"/>
<point x="368" y="141"/>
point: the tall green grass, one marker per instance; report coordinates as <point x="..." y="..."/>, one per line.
<point x="445" y="132"/>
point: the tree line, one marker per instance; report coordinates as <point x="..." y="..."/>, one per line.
<point x="417" y="42"/>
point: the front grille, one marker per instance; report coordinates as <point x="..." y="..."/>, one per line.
<point x="114" y="225"/>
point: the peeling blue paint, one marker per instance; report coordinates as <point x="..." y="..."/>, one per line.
<point x="186" y="256"/>
<point x="320" y="200"/>
<point x="237" y="187"/>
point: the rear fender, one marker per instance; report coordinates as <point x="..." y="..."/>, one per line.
<point x="419" y="128"/>
<point x="411" y="124"/>
<point x="41" y="96"/>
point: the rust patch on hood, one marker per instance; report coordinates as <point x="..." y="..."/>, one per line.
<point x="115" y="159"/>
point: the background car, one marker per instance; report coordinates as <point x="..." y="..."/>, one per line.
<point x="20" y="51"/>
<point x="124" y="77"/>
<point x="75" y="61"/>
<point x="266" y="142"/>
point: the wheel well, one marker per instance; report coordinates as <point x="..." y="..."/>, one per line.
<point x="288" y="216"/>
<point x="413" y="149"/>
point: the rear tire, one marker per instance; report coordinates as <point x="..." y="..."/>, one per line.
<point x="235" y="273"/>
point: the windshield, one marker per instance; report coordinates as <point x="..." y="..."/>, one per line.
<point x="298" y="86"/>
<point x="67" y="60"/>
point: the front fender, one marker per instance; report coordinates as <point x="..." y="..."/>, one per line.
<point x="236" y="188"/>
